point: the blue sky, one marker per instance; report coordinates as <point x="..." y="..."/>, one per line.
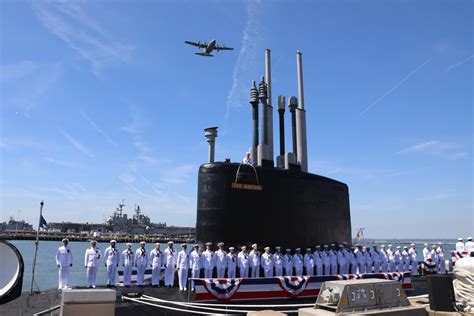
<point x="102" y="100"/>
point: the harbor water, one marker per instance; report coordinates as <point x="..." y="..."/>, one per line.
<point x="46" y="274"/>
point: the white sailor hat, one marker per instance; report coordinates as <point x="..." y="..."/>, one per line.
<point x="425" y="244"/>
<point x="333" y="245"/>
<point x="340" y="245"/>
<point x="266" y="248"/>
<point x="221" y="244"/>
<point x="254" y="245"/>
<point x="277" y="247"/>
<point x="344" y="242"/>
<point x="399" y="247"/>
<point x="209" y="243"/>
<point x="382" y="246"/>
<point x="318" y="247"/>
<point x="440" y="243"/>
<point x="142" y="242"/>
<point x="308" y="249"/>
<point x="243" y="247"/>
<point x="65" y="239"/>
<point x="231" y="248"/>
<point x="325" y="246"/>
<point x="288" y="250"/>
<point x="298" y="249"/>
<point x="128" y="244"/>
<point x="195" y="245"/>
<point x="459" y="239"/>
<point x="170" y="242"/>
<point x="390" y="245"/>
<point x="433" y="246"/>
<point x="157" y="244"/>
<point x="184" y="245"/>
<point x="113" y="241"/>
<point x="405" y="247"/>
<point x="469" y="238"/>
<point x="412" y="244"/>
<point x="364" y="248"/>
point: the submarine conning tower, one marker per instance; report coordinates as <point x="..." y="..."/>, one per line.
<point x="260" y="202"/>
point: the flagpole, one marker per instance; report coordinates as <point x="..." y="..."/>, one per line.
<point x="36" y="250"/>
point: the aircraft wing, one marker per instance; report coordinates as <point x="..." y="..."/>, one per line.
<point x="197" y="44"/>
<point x="223" y="47"/>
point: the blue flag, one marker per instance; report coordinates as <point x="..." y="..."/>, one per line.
<point x="42" y="223"/>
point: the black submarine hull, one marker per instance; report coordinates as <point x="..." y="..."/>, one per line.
<point x="240" y="205"/>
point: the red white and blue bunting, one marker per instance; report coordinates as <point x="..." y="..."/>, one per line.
<point x="280" y="287"/>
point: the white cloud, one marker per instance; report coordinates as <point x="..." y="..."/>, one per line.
<point x="246" y="53"/>
<point x="98" y="129"/>
<point x="179" y="174"/>
<point x="80" y="147"/>
<point x="71" y="23"/>
<point x="443" y="149"/>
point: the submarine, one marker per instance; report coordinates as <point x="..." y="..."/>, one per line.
<point x="262" y="202"/>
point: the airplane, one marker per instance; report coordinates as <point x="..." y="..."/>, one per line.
<point x="208" y="48"/>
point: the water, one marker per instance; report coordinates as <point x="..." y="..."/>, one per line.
<point x="46" y="275"/>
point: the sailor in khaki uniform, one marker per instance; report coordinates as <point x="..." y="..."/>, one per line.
<point x="127" y="264"/>
<point x="207" y="261"/>
<point x="267" y="263"/>
<point x="183" y="265"/>
<point x="141" y="262"/>
<point x="254" y="258"/>
<point x="64" y="262"/>
<point x="112" y="259"/>
<point x="156" y="261"/>
<point x="231" y="263"/>
<point x="91" y="262"/>
<point x="243" y="262"/>
<point x="219" y="259"/>
<point x="195" y="264"/>
<point x="278" y="261"/>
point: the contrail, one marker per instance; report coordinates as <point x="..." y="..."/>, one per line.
<point x="459" y="63"/>
<point x="396" y="86"/>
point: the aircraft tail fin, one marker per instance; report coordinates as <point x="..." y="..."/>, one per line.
<point x="204" y="54"/>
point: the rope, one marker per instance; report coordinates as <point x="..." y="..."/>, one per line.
<point x="47" y="310"/>
<point x="209" y="308"/>
<point x="463" y="284"/>
<point x="231" y="305"/>
<point x="162" y="306"/>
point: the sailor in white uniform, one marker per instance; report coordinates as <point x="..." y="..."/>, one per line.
<point x="333" y="259"/>
<point x="288" y="263"/>
<point x="318" y="261"/>
<point x="361" y="260"/>
<point x="347" y="254"/>
<point x="426" y="253"/>
<point x="278" y="261"/>
<point x="195" y="264"/>
<point x="170" y="258"/>
<point x="254" y="258"/>
<point x="469" y="246"/>
<point x="231" y="259"/>
<point x="207" y="261"/>
<point x="298" y="262"/>
<point x="219" y="259"/>
<point x="127" y="264"/>
<point x="141" y="262"/>
<point x="326" y="260"/>
<point x="267" y="263"/>
<point x="368" y="259"/>
<point x="183" y="266"/>
<point x="91" y="262"/>
<point x="406" y="259"/>
<point x="308" y="262"/>
<point x="434" y="257"/>
<point x="391" y="259"/>
<point x="341" y="259"/>
<point x="460" y="247"/>
<point x="413" y="259"/>
<point x="375" y="255"/>
<point x="112" y="259"/>
<point x="383" y="259"/>
<point x="156" y="261"/>
<point x="398" y="259"/>
<point x="243" y="262"/>
<point x="247" y="159"/>
<point x="64" y="262"/>
<point x="353" y="260"/>
<point x="441" y="261"/>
